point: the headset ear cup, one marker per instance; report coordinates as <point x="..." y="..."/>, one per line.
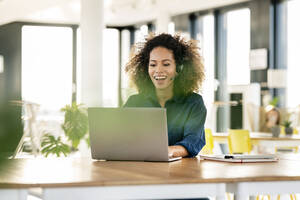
<point x="179" y="68"/>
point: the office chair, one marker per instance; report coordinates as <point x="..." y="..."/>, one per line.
<point x="239" y="141"/>
<point x="209" y="146"/>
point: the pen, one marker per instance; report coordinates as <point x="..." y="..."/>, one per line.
<point x="228" y="157"/>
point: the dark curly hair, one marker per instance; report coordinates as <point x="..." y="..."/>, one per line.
<point x="189" y="65"/>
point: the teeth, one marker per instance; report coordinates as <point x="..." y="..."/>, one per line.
<point x="160" y="77"/>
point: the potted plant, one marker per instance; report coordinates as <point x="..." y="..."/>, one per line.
<point x="75" y="127"/>
<point x="287" y="127"/>
<point x="274" y="101"/>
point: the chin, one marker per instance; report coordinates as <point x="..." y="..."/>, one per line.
<point x="161" y="87"/>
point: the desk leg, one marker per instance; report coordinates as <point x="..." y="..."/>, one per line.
<point x="13" y="194"/>
<point x="241" y="197"/>
<point x="238" y="190"/>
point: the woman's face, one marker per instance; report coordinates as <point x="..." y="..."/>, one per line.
<point x="162" y="68"/>
<point x="272" y="117"/>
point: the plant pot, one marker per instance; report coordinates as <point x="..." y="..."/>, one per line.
<point x="288" y="130"/>
<point x="275" y="131"/>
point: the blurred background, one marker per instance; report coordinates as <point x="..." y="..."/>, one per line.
<point x="55" y="52"/>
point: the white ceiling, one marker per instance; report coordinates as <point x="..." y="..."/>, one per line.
<point x="68" y="11"/>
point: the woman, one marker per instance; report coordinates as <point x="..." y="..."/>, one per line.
<point x="272" y="119"/>
<point x="167" y="71"/>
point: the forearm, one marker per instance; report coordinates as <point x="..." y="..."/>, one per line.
<point x="178" y="151"/>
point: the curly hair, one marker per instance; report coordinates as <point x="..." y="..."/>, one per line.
<point x="189" y="65"/>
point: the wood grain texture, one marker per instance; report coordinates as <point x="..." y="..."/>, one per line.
<point x="24" y="173"/>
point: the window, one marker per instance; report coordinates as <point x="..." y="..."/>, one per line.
<point x="110" y="67"/>
<point x="78" y="67"/>
<point x="171" y="28"/>
<point x="293" y="49"/>
<point x="140" y="34"/>
<point x="206" y="40"/>
<point x="238" y="47"/>
<point x="47" y="66"/>
<point x="126" y="89"/>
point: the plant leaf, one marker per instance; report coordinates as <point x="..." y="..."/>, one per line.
<point x="52" y="145"/>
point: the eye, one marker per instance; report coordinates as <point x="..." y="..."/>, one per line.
<point x="166" y="64"/>
<point x="152" y="65"/>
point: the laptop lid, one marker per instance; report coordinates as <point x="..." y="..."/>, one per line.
<point x="128" y="134"/>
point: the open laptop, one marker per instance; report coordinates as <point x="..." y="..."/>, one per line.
<point x="138" y="134"/>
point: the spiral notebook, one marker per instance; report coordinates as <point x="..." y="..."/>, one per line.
<point x="240" y="158"/>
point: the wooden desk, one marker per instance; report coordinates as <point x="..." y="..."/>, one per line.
<point x="86" y="179"/>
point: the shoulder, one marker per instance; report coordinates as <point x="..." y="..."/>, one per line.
<point x="195" y="98"/>
<point x="135" y="97"/>
<point x="195" y="102"/>
<point x="134" y="100"/>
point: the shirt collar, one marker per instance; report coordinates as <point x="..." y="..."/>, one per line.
<point x="177" y="98"/>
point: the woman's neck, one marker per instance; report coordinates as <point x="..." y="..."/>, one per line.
<point x="164" y="95"/>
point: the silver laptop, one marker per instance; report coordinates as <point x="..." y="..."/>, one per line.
<point x="138" y="134"/>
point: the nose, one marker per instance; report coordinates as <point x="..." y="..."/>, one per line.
<point x="159" y="68"/>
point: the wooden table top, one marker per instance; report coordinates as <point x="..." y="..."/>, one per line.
<point x="261" y="136"/>
<point x="66" y="172"/>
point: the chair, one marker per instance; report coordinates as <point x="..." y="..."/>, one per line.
<point x="239" y="141"/>
<point x="30" y="128"/>
<point x="208" y="148"/>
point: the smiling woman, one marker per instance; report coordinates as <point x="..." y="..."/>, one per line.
<point x="162" y="71"/>
<point x="167" y="71"/>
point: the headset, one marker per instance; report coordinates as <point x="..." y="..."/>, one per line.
<point x="179" y="69"/>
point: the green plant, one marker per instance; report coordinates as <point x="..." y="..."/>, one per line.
<point x="52" y="145"/>
<point x="287" y="123"/>
<point x="75" y="125"/>
<point x="274" y="101"/>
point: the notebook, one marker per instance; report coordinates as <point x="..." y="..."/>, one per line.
<point x="138" y="134"/>
<point x="241" y="158"/>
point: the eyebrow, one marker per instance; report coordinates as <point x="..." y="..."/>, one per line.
<point x="162" y="60"/>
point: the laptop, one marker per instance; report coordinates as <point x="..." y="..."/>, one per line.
<point x="132" y="134"/>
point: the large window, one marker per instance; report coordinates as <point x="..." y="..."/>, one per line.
<point x="140" y="34"/>
<point x="238" y="47"/>
<point x="293" y="48"/>
<point x="127" y="90"/>
<point x="206" y="40"/>
<point x="47" y="66"/>
<point x="110" y="67"/>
